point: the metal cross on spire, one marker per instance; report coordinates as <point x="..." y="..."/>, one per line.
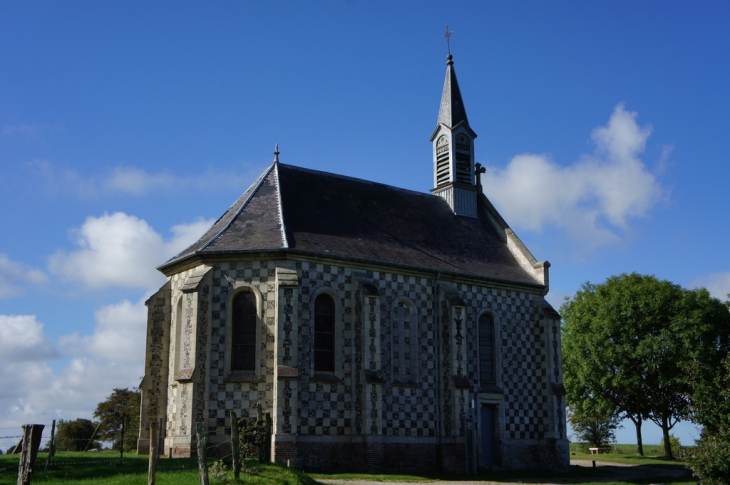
<point x="446" y="36"/>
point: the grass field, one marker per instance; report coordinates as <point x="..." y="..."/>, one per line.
<point x="105" y="468"/>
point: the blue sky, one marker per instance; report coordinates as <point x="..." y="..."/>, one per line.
<point x="127" y="127"/>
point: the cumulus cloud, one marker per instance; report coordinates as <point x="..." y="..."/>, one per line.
<point x="121" y="250"/>
<point x="593" y="199"/>
<point x="718" y="284"/>
<point x="31" y="391"/>
<point x="22" y="338"/>
<point x="119" y="334"/>
<point x="14" y="276"/>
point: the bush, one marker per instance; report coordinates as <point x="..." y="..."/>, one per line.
<point x="675" y="445"/>
<point x="710" y="460"/>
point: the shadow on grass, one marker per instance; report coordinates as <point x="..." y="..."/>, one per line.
<point x="664" y="473"/>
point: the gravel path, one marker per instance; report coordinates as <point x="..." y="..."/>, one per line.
<point x="620" y="472"/>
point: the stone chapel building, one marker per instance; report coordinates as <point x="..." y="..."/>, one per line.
<point x="383" y="329"/>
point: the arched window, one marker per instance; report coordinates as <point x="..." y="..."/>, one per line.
<point x="243" y="338"/>
<point x="324" y="333"/>
<point x="179" y="339"/>
<point x="487" y="361"/>
<point x="404" y="342"/>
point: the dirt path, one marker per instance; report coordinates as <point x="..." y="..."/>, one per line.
<point x="619" y="472"/>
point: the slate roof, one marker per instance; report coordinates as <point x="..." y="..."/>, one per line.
<point x="306" y="211"/>
<point x="452" y="110"/>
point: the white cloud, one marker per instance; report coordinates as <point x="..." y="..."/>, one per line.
<point x="121" y="250"/>
<point x="22" y="339"/>
<point x="592" y="199"/>
<point x="119" y="335"/>
<point x="14" y="275"/>
<point x="718" y="284"/>
<point x="31" y="391"/>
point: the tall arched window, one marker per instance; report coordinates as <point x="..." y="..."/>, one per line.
<point x="324" y="333"/>
<point x="487" y="361"/>
<point x="243" y="341"/>
<point x="404" y="342"/>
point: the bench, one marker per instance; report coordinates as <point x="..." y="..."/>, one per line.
<point x="598" y="451"/>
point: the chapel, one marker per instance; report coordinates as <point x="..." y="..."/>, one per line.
<point x="383" y="329"/>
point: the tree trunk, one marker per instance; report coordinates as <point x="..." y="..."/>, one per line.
<point x="639" y="442"/>
<point x="667" y="443"/>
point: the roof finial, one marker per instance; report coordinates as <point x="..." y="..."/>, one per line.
<point x="448" y="42"/>
<point x="276" y="153"/>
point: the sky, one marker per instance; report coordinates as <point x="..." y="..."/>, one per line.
<point x="127" y="128"/>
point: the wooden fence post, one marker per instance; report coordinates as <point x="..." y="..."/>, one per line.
<point x="153" y="454"/>
<point x="202" y="460"/>
<point x="31" y="441"/>
<point x="235" y="446"/>
<point x="50" y="447"/>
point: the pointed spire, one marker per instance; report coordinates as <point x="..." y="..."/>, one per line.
<point x="276" y="153"/>
<point x="452" y="111"/>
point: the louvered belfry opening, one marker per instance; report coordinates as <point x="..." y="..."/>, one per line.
<point x="463" y="159"/>
<point x="443" y="161"/>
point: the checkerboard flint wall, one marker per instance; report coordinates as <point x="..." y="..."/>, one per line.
<point x="363" y="407"/>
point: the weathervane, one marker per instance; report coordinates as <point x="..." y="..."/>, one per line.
<point x="446" y="36"/>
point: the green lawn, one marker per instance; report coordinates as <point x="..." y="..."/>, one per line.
<point x="626" y="454"/>
<point x="105" y="469"/>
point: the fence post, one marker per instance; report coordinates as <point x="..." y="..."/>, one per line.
<point x="50" y="447"/>
<point x="31" y="441"/>
<point x="235" y="446"/>
<point x="153" y="454"/>
<point x="202" y="460"/>
<point x="121" y="447"/>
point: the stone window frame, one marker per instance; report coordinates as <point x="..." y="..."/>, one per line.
<point x="320" y="375"/>
<point x="244" y="375"/>
<point x="178" y="322"/>
<point x="400" y="378"/>
<point x="495" y="386"/>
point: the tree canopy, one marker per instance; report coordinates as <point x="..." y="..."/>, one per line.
<point x="120" y="408"/>
<point x="75" y="435"/>
<point x="635" y="343"/>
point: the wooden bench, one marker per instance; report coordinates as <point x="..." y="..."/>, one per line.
<point x="598" y="451"/>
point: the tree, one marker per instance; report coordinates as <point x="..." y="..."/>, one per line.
<point x="710" y="460"/>
<point x="632" y="343"/>
<point x="75" y="435"/>
<point x="593" y="426"/>
<point x="120" y="409"/>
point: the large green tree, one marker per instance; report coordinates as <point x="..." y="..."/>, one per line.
<point x="120" y="409"/>
<point x="634" y="344"/>
<point x="75" y="435"/>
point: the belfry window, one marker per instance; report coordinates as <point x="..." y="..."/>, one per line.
<point x="404" y="343"/>
<point x="243" y="342"/>
<point x="324" y="333"/>
<point x="487" y="361"/>
<point x="463" y="159"/>
<point x="443" y="172"/>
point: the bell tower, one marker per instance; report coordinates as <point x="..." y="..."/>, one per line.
<point x="454" y="172"/>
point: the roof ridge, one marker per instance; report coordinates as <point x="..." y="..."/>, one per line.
<point x="280" y="204"/>
<point x="258" y="183"/>
<point x="354" y="179"/>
